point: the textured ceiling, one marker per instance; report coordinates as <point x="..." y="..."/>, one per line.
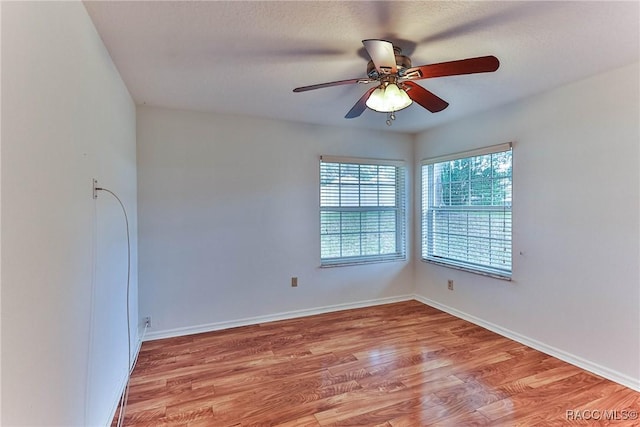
<point x="245" y="58"/>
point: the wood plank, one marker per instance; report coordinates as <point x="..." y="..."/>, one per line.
<point x="402" y="364"/>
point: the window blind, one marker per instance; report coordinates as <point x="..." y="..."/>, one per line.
<point x="362" y="210"/>
<point x="466" y="210"/>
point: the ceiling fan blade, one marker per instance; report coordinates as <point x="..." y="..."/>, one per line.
<point x="337" y="83"/>
<point x="360" y="106"/>
<point x="482" y="64"/>
<point x="382" y="55"/>
<point x="425" y="98"/>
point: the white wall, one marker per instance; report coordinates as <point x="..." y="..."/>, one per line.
<point x="575" y="285"/>
<point x="229" y="212"/>
<point x="66" y="118"/>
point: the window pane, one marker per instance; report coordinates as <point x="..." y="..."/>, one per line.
<point x="387" y="175"/>
<point x="330" y="246"/>
<point x="330" y="195"/>
<point x="481" y="167"/>
<point x="501" y="191"/>
<point x="479" y="224"/>
<point x="350" y="245"/>
<point x="442" y="171"/>
<point x="329" y="173"/>
<point x="349" y="172"/>
<point x="371" y="221"/>
<point x="456" y="223"/>
<point x="368" y="195"/>
<point x="369" y="173"/>
<point x="442" y="194"/>
<point x="387" y="243"/>
<point x="459" y="193"/>
<point x="351" y="222"/>
<point x="460" y="170"/>
<point x="370" y="244"/>
<point x="481" y="193"/>
<point x="349" y="195"/>
<point x="388" y="221"/>
<point x="329" y="222"/>
<point x="387" y="195"/>
<point x="501" y="164"/>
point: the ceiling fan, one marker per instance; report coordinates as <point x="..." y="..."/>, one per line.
<point x="395" y="76"/>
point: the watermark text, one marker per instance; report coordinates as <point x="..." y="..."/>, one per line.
<point x="601" y="414"/>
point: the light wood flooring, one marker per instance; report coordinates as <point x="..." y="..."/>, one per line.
<point x="402" y="364"/>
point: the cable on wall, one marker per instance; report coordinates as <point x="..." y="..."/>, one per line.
<point x="130" y="366"/>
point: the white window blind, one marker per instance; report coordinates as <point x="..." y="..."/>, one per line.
<point x="362" y="210"/>
<point x="466" y="210"/>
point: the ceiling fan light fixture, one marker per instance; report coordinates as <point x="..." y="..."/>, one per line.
<point x="376" y="99"/>
<point x="388" y="98"/>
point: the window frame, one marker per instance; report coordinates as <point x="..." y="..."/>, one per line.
<point x="426" y="206"/>
<point x="400" y="210"/>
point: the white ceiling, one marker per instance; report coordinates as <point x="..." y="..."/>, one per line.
<point x="245" y="57"/>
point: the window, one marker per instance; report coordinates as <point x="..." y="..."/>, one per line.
<point x="466" y="210"/>
<point x="362" y="210"/>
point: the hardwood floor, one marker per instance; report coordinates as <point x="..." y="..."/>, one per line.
<point x="403" y="364"/>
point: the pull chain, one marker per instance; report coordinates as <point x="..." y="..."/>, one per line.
<point x="390" y="118"/>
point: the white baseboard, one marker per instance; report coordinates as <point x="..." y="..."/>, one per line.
<point x="170" y="333"/>
<point x="610" y="374"/>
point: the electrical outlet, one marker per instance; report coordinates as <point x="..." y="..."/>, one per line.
<point x="95" y="189"/>
<point x="294" y="282"/>
<point x="147" y="321"/>
<point x="450" y="285"/>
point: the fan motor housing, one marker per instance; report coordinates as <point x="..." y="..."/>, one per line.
<point x="402" y="62"/>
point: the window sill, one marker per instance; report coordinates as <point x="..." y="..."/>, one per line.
<point x="360" y="262"/>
